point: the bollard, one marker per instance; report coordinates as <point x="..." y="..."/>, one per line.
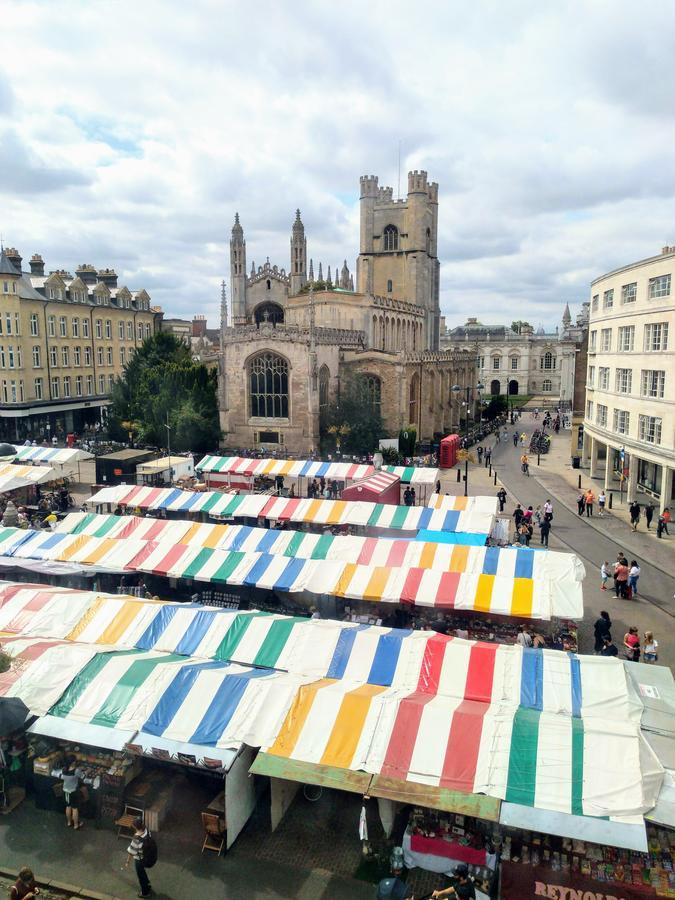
<point x="459" y="477"/>
<point x="538" y="459"/>
<point x="490" y="472"/>
<point x="495" y="481"/>
<point x="579" y="485"/>
<point x="610" y="500"/>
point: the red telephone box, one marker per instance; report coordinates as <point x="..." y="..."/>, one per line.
<point x="448" y="454"/>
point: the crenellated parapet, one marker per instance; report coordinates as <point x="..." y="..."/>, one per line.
<point x="266" y="331"/>
<point x="398" y="305"/>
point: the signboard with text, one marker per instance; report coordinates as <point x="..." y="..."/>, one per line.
<point x="519" y="882"/>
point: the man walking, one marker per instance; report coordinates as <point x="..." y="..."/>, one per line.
<point x="501" y="496"/>
<point x="649" y="514"/>
<point x="518" y="518"/>
<point x="545" y="529"/>
<point x="634" y="510"/>
<point x="143" y="851"/>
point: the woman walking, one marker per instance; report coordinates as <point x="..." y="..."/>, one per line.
<point x="633" y="575"/>
<point x="651" y="648"/>
<point x="631" y="643"/>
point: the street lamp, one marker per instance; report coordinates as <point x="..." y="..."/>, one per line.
<point x="456" y="390"/>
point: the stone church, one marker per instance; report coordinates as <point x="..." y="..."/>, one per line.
<point x="294" y="335"/>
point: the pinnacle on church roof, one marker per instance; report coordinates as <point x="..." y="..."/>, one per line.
<point x="567" y="315"/>
<point x="236" y="228"/>
<point x="6" y="266"/>
<point x="298" y="227"/>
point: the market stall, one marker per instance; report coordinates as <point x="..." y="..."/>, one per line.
<point x="64" y="460"/>
<point x="380" y="487"/>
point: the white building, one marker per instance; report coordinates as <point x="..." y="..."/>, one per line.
<point x="629" y="423"/>
<point x="521" y="363"/>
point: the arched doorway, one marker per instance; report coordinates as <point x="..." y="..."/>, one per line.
<point x="494" y="387"/>
<point x="269" y="312"/>
<point x="513" y="387"/>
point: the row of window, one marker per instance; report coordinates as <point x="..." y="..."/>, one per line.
<point x="77" y="327"/>
<point x="547" y="362"/>
<point x="652" y="381"/>
<point x="11" y="357"/>
<point x="11" y="325"/>
<point x="99" y="298"/>
<point x="8" y="286"/>
<point x="657" y="288"/>
<point x="649" y="427"/>
<point x="655" y="338"/>
<point x="68" y="386"/>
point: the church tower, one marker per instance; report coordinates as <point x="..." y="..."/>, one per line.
<point x="398" y="255"/>
<point x="238" y="273"/>
<point x="298" y="268"/>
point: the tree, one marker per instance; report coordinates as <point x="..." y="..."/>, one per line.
<point x="355" y="422"/>
<point x="163" y="383"/>
<point x="496" y="407"/>
<point x="518" y="325"/>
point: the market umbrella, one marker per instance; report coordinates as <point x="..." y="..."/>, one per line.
<point x="13" y="714"/>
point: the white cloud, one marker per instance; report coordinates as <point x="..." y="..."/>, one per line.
<point x="131" y="132"/>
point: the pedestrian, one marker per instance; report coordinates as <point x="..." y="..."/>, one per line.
<point x="633" y="575"/>
<point x="413" y="497"/>
<point x="662" y="525"/>
<point x="631" y="643"/>
<point x="590" y="500"/>
<point x="545" y="529"/>
<point x="538" y="515"/>
<point x="24" y="888"/>
<point x="463" y="889"/>
<point x="524" y="533"/>
<point x="143" y="851"/>
<point x="71" y="792"/>
<point x="523" y="638"/>
<point x="523" y="438"/>
<point x="604" y="575"/>
<point x="581" y="502"/>
<point x="650" y="649"/>
<point x="527" y="515"/>
<point x="517" y="516"/>
<point x="548" y="510"/>
<point x="602" y="630"/>
<point x="525" y="464"/>
<point x="438" y="487"/>
<point x="634" y="510"/>
<point x="480" y="454"/>
<point x="649" y="514"/>
<point x="515" y="438"/>
<point x="488" y="456"/>
<point x="406" y="497"/>
<point x="501" y="496"/>
<point x="608" y="647"/>
<point x="602" y="500"/>
<point x="621" y="579"/>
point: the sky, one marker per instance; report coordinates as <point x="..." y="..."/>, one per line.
<point x="130" y="133"/>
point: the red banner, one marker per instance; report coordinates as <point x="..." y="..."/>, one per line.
<point x="449" y="849"/>
<point x="520" y="882"/>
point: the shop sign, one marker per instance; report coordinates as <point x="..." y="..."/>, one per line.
<point x="520" y="882"/>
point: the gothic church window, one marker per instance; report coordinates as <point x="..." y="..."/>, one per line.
<point x="269" y="312"/>
<point x="373" y="392"/>
<point x="391" y="237"/>
<point x="324" y="381"/>
<point x="268" y="381"/>
<point x="413" y="397"/>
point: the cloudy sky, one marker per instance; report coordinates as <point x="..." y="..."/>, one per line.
<point x="130" y="132"/>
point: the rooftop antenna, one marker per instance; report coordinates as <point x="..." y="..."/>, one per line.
<point x="398" y="189"/>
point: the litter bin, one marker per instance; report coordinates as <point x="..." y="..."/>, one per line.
<point x="576" y="462"/>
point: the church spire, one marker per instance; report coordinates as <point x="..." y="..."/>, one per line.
<point x="298" y="270"/>
<point x="567" y="316"/>
<point x="223" y="305"/>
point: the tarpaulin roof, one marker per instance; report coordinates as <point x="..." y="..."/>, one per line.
<point x="540" y="728"/>
<point x="14" y="476"/>
<point x="511" y="588"/>
<point x="380" y="486"/>
<point x="481" y="503"/>
<point x="303" y="468"/>
<point x="463" y="517"/>
<point x="61" y="456"/>
<point x="380" y="551"/>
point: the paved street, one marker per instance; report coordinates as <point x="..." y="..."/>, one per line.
<point x="594" y="542"/>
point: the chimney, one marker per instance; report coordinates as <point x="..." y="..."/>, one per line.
<point x="108" y="277"/>
<point x="37" y="265"/>
<point x="14" y="257"/>
<point x="86" y="273"/>
<point x="198" y="326"/>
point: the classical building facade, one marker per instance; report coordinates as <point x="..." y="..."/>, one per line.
<point x="524" y="362"/>
<point x="63" y="341"/>
<point x="629" y="423"/>
<point x="294" y="336"/>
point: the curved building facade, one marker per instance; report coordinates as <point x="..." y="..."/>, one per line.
<point x="629" y="421"/>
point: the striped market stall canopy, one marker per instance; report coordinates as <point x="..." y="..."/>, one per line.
<point x="61" y="456"/>
<point x="484" y="504"/>
<point x="539" y="728"/>
<point x="303" y="468"/>
<point x="565" y="567"/>
<point x="13" y="476"/>
<point x="464" y="517"/>
<point x="520" y="593"/>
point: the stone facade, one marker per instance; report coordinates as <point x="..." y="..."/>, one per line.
<point x="294" y="336"/>
<point x="526" y="363"/>
<point x="64" y="340"/>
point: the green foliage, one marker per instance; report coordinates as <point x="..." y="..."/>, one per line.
<point x="354" y="421"/>
<point x="407" y="441"/>
<point x="391" y="457"/>
<point x="161" y="380"/>
<point x="496" y="407"/>
<point x="518" y="325"/>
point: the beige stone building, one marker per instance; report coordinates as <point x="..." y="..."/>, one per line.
<point x="629" y="422"/>
<point x="63" y="341"/>
<point x="295" y="336"/>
